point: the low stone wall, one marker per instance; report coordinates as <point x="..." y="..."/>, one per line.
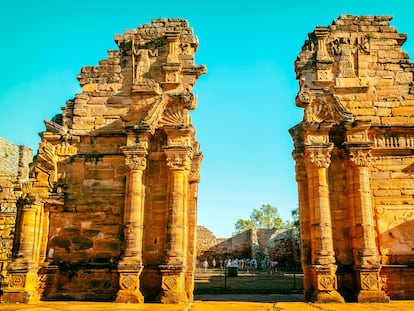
<point x="282" y="245"/>
<point x="14" y="160"/>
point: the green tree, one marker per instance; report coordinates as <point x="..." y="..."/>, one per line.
<point x="242" y="224"/>
<point x="295" y="216"/>
<point x="266" y="217"/>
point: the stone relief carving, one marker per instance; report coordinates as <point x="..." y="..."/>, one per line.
<point x="141" y="60"/>
<point x="135" y="162"/>
<point x="320" y="158"/>
<point x="322" y="105"/>
<point x="128" y="282"/>
<point x="316" y="139"/>
<point x="360" y="157"/>
<point x="327" y="282"/>
<point x="344" y="50"/>
<point x="370" y="281"/>
<point x="394" y="141"/>
<point x="170" y="109"/>
<point x="178" y="161"/>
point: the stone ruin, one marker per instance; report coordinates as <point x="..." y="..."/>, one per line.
<point x="14" y="175"/>
<point x="282" y="245"/>
<point x="354" y="153"/>
<point x="109" y="212"/>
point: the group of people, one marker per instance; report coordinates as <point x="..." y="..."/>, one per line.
<point x="246" y="264"/>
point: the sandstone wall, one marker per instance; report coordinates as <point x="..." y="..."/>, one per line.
<point x="354" y="157"/>
<point x="110" y="210"/>
<point x="14" y="160"/>
<point x="14" y="174"/>
<point x="284" y="246"/>
<point x="278" y="244"/>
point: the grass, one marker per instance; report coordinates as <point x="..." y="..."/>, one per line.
<point x="259" y="282"/>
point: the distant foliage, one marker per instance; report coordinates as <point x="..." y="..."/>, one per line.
<point x="266" y="217"/>
<point x="295" y="216"/>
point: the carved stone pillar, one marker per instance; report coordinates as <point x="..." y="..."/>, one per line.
<point x="23" y="271"/>
<point x="323" y="255"/>
<point x="130" y="265"/>
<point x="173" y="272"/>
<point x="317" y="159"/>
<point x="366" y="258"/>
<point x="304" y="212"/>
<point x="192" y="226"/>
<point x="323" y="60"/>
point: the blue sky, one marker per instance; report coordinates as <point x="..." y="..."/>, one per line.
<point x="246" y="100"/>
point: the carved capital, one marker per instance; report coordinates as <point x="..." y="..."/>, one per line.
<point x="179" y="162"/>
<point x="179" y="158"/>
<point x="135" y="157"/>
<point x="320" y="157"/>
<point x="195" y="167"/>
<point x="360" y="157"/>
<point x="136" y="162"/>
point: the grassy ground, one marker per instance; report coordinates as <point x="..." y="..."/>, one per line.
<point x="258" y="282"/>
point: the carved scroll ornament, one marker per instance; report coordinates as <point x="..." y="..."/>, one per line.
<point x="322" y="105"/>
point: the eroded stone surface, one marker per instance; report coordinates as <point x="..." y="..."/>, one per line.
<point x="354" y="158"/>
<point x="110" y="211"/>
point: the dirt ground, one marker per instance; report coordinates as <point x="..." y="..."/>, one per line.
<point x="213" y="285"/>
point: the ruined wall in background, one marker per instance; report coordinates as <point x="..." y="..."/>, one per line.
<point x="282" y="245"/>
<point x="14" y="169"/>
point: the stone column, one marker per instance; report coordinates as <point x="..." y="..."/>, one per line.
<point x="130" y="265"/>
<point x="367" y="264"/>
<point x="23" y="270"/>
<point x="173" y="272"/>
<point x="192" y="226"/>
<point x="304" y="222"/>
<point x="317" y="159"/>
<point x="323" y="255"/>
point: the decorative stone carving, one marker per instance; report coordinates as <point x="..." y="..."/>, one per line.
<point x="360" y="157"/>
<point x="319" y="157"/>
<point x="344" y="50"/>
<point x="135" y="162"/>
<point x="326" y="282"/>
<point x="128" y="282"/>
<point x="360" y="163"/>
<point x="106" y="209"/>
<point x="321" y="106"/>
<point x="141" y="60"/>
<point x="370" y="281"/>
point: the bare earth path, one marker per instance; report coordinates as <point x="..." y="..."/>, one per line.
<point x="246" y="292"/>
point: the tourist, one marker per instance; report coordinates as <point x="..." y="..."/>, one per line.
<point x="205" y="265"/>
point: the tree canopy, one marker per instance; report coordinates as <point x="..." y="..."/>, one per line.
<point x="266" y="217"/>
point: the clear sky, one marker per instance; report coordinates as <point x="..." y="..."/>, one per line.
<point x="246" y="100"/>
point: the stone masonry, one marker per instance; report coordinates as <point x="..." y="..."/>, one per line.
<point x="14" y="176"/>
<point x="110" y="209"/>
<point x="275" y="244"/>
<point x="354" y="153"/>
